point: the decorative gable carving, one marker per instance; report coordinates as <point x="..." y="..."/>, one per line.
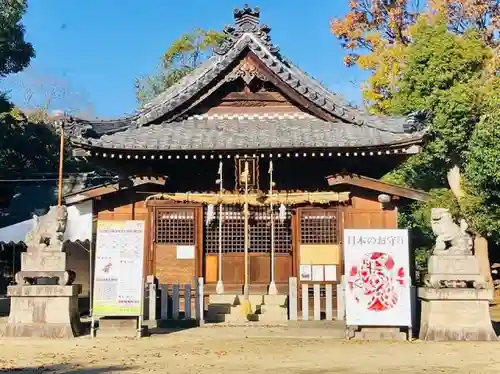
<point x="246" y="70"/>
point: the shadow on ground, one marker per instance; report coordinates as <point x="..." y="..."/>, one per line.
<point x="163" y="327"/>
<point x="69" y="369"/>
<point x="496" y="327"/>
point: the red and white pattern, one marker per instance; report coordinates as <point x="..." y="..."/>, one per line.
<point x="375" y="280"/>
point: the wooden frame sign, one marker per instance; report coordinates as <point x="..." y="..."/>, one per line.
<point x="119" y="268"/>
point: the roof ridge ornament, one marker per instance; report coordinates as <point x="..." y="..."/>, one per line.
<point x="246" y="20"/>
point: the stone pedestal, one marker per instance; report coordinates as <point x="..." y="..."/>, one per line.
<point x="43" y="311"/>
<point x="452" y="270"/>
<point x="455" y="314"/>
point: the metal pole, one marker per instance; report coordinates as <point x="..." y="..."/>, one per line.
<point x="61" y="160"/>
<point x="91" y="282"/>
<point x="272" y="285"/>
<point x="91" y="293"/>
<point x="245" y="216"/>
<point x="219" y="289"/>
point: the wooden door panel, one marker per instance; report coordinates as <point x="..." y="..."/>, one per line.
<point x="283" y="268"/>
<point x="171" y="270"/>
<point x="173" y="227"/>
<point x="211" y="269"/>
<point x="233" y="269"/>
<point x="260" y="269"/>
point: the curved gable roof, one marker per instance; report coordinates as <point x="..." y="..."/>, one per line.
<point x="248" y="34"/>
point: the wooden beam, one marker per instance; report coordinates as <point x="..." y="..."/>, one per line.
<point x="97" y="192"/>
<point x="377" y="185"/>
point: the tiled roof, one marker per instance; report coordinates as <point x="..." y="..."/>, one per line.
<point x="231" y="132"/>
<point x="248" y="33"/>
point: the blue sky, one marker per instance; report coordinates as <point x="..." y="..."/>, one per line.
<point x="89" y="52"/>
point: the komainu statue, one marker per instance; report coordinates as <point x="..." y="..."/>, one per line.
<point x="44" y="257"/>
<point x="450" y="237"/>
<point x="452" y="264"/>
<point x="49" y="231"/>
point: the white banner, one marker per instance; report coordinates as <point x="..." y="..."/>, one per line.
<point x="119" y="264"/>
<point x="377" y="273"/>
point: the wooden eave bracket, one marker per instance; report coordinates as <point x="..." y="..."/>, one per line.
<point x="99" y="191"/>
<point x="376" y="185"/>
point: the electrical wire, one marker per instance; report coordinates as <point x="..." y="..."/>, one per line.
<point x="48" y="179"/>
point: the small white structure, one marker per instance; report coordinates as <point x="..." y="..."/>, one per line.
<point x="79" y="226"/>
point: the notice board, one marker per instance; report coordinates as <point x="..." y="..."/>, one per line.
<point x="118" y="268"/>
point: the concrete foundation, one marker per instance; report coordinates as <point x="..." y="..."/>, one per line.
<point x="455" y="314"/>
<point x="120" y="327"/>
<point x="379" y="333"/>
<point x="47" y="311"/>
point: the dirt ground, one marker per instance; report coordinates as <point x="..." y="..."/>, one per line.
<point x="240" y="350"/>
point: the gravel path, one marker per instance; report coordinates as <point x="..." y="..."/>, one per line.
<point x="240" y="350"/>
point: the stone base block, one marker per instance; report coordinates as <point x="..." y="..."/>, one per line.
<point x="40" y="330"/>
<point x="43" y="312"/>
<point x="235" y="299"/>
<point x="273" y="313"/>
<point x="120" y="327"/>
<point x="455" y="314"/>
<point x="223" y="299"/>
<point x="380" y="333"/>
<point x="275" y="300"/>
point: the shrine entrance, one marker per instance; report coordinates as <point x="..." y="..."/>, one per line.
<point x="232" y="247"/>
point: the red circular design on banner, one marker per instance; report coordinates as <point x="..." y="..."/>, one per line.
<point x="374" y="281"/>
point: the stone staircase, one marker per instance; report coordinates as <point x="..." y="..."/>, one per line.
<point x="265" y="308"/>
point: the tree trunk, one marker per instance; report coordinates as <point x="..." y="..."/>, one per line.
<point x="481" y="252"/>
<point x="453" y="177"/>
<point x="480" y="243"/>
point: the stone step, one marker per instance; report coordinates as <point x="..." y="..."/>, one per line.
<point x="280" y="300"/>
<point x="223" y="299"/>
<point x="215" y="318"/>
<point x="266" y="309"/>
<point x="273" y="313"/>
<point x="220" y="308"/>
<point x="235" y="299"/>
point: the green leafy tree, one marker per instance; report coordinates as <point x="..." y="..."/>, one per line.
<point x="15" y="52"/>
<point x="29" y="145"/>
<point x="450" y="75"/>
<point x="482" y="170"/>
<point x="183" y="56"/>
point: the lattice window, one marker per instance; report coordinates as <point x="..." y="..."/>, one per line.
<point x="318" y="227"/>
<point x="233" y="226"/>
<point x="175" y="226"/>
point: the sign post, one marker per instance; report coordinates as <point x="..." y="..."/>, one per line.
<point x="119" y="268"/>
<point x="378" y="282"/>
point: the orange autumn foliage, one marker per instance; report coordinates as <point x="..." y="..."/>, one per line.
<point x="376" y="34"/>
<point x="372" y="23"/>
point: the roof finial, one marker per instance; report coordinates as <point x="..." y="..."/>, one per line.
<point x="247" y="17"/>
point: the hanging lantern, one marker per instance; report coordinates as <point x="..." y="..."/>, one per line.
<point x="282" y="213"/>
<point x="210" y="214"/>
